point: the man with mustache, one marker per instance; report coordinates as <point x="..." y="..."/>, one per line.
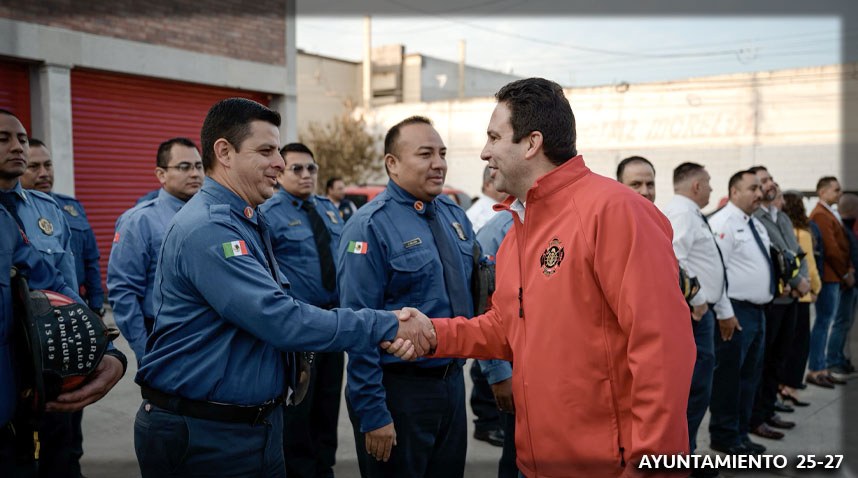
<point x="137" y="240"/>
<point x="410" y="245"/>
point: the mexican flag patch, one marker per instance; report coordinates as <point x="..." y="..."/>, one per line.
<point x="234" y="248"/>
<point x="357" y="247"/>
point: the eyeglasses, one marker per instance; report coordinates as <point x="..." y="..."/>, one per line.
<point x="185" y="167"/>
<point x="297" y="169"/>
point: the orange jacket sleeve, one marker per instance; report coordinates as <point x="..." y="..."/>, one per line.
<point x="482" y="337"/>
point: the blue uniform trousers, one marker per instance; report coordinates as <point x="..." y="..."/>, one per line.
<point x="310" y="429"/>
<point x="431" y="428"/>
<point x="701" y="379"/>
<point x="738" y="363"/>
<point x="780" y="330"/>
<point x="483" y="401"/>
<point x="841" y="327"/>
<point x="506" y="466"/>
<point x="172" y="445"/>
<point x="57" y="455"/>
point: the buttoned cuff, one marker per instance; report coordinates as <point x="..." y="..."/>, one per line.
<point x="496" y="371"/>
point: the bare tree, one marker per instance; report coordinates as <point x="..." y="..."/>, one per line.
<point x="344" y="147"/>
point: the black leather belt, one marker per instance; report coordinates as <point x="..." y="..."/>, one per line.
<point x="405" y="368"/>
<point x="219" y="412"/>
<point x="745" y="303"/>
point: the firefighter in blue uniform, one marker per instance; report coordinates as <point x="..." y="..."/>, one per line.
<point x="305" y="233"/>
<point x="40" y="177"/>
<point x="138" y="236"/>
<point x="39" y="217"/>
<point x="218" y="362"/>
<point x="411" y="245"/>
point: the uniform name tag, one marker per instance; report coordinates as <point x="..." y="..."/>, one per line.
<point x="296" y="222"/>
<point x="413" y="242"/>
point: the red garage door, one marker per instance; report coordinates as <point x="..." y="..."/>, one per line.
<point x="15" y="90"/>
<point x="118" y="122"/>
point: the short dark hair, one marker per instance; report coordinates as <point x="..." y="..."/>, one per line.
<point x="632" y="159"/>
<point x="162" y="157"/>
<point x="392" y="135"/>
<point x="824" y="182"/>
<point x="734" y="179"/>
<point x="537" y="104"/>
<point x="755" y="169"/>
<point x="7" y="112"/>
<point x="330" y="183"/>
<point x="685" y="171"/>
<point x="296" y="148"/>
<point x="37" y="143"/>
<point x="230" y="119"/>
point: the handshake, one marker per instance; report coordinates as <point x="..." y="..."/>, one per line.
<point x="415" y="336"/>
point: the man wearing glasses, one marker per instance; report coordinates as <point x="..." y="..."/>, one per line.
<point x="137" y="241"/>
<point x="305" y="233"/>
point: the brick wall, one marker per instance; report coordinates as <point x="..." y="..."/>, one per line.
<point x="243" y="29"/>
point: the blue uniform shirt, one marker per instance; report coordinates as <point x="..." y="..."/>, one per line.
<point x="47" y="229"/>
<point x="84" y="248"/>
<point x="388" y="260"/>
<point x="295" y="246"/>
<point x="490" y="237"/>
<point x="131" y="268"/>
<point x="222" y="322"/>
<point x="16" y="251"/>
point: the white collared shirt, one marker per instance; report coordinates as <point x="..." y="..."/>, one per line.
<point x="697" y="252"/>
<point x="748" y="270"/>
<point x="518" y="208"/>
<point x="481" y="212"/>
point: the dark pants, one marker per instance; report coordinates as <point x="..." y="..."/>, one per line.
<point x="738" y="363"/>
<point x="16" y="456"/>
<point x="172" y="445"/>
<point x="701" y="380"/>
<point x="796" y="360"/>
<point x="506" y="466"/>
<point x="310" y="429"/>
<point x="431" y="428"/>
<point x="826" y="309"/>
<point x="57" y="457"/>
<point x="483" y="401"/>
<point x="835" y="356"/>
<point x="780" y="330"/>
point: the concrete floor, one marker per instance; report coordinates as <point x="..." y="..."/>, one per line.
<point x="821" y="430"/>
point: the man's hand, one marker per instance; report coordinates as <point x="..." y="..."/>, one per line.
<point x="728" y="326"/>
<point x="108" y="372"/>
<point x="415" y="336"/>
<point x="380" y="441"/>
<point x="503" y="395"/>
<point x="803" y="287"/>
<point x="813" y="298"/>
<point x="786" y="291"/>
<point x="698" y="311"/>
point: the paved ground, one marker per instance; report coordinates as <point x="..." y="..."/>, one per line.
<point x="821" y="430"/>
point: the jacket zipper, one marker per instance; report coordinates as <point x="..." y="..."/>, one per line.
<point x="622" y="457"/>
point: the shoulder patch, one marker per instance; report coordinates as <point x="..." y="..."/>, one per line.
<point x="220" y="212"/>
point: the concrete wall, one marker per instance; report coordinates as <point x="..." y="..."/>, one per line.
<point x="439" y="80"/>
<point x="325" y="87"/>
<point x="253" y="31"/>
<point x="789" y="121"/>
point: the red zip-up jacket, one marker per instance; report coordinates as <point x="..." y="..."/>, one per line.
<point x="587" y="306"/>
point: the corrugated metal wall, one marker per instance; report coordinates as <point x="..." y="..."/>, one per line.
<point x="118" y="121"/>
<point x="15" y="90"/>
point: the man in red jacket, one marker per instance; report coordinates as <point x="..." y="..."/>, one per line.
<point x="586" y="302"/>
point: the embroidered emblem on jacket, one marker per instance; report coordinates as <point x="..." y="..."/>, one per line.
<point x="552" y="257"/>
